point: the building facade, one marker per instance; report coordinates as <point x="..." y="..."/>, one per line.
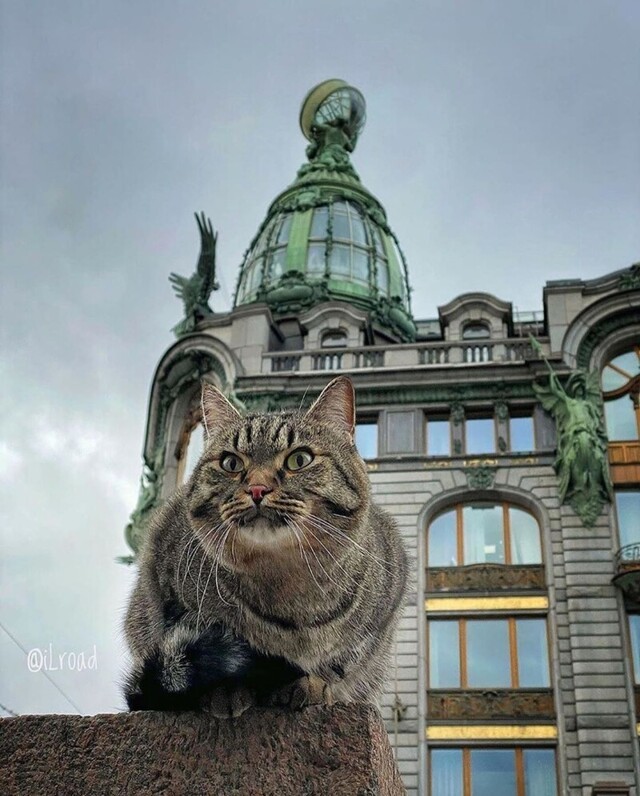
<point x="506" y="445"/>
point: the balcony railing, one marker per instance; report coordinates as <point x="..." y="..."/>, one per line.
<point x="436" y="354"/>
<point x="627" y="567"/>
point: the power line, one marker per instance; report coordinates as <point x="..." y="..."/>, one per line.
<point x="8" y="710"/>
<point x="44" y="671"/>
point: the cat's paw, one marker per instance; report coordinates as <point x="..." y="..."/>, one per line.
<point x="303" y="692"/>
<point x="229" y="701"/>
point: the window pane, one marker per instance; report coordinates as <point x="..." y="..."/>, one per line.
<point x="383" y="276"/>
<point x="315" y="258"/>
<point x="360" y="265"/>
<point x="525" y="537"/>
<point x="334" y="339"/>
<point x="480" y="435"/>
<point x="277" y="263"/>
<point x="522" y="438"/>
<point x="442" y="541"/>
<point x="444" y="655"/>
<point x="540" y="772"/>
<point x="475" y="331"/>
<point x="628" y="511"/>
<point x="367" y="440"/>
<point x="634" y="629"/>
<point x="488" y="659"/>
<point x="195" y="449"/>
<point x="357" y="228"/>
<point x="621" y="419"/>
<point x="446" y="772"/>
<point x="319" y="223"/>
<point x="483" y="535"/>
<point x="626" y="367"/>
<point x="533" y="656"/>
<point x="493" y="772"/>
<point x="283" y="233"/>
<point x="340" y="260"/>
<point x="438" y="438"/>
<point x="341" y="226"/>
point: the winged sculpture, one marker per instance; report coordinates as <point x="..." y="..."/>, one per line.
<point x="582" y="461"/>
<point x="195" y="290"/>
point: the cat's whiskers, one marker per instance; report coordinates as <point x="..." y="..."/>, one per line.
<point x="200" y="542"/>
<point x="341" y="537"/>
<point x="219" y="545"/>
<point x="348" y="575"/>
<point x="296" y="532"/>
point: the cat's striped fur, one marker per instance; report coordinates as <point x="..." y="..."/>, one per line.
<point x="285" y="592"/>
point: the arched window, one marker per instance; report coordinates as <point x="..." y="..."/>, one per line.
<point x="621" y="393"/>
<point x="476" y="330"/>
<point x="190" y="445"/>
<point x="334" y="338"/>
<point x="483" y="533"/>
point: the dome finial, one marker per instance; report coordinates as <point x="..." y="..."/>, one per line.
<point x="332" y="117"/>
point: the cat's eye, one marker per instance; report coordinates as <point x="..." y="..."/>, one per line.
<point x="299" y="459"/>
<point x="231" y="463"/>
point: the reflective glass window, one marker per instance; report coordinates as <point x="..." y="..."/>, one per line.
<point x="438" y="438"/>
<point x="522" y="434"/>
<point x="340" y="264"/>
<point x="480" y="435"/>
<point x="315" y="258"/>
<point x="320" y="222"/>
<point x="483" y="534"/>
<point x="382" y="270"/>
<point x="340" y="226"/>
<point x="444" y="654"/>
<point x="285" y="228"/>
<point x="540" y="772"/>
<point x="488" y="658"/>
<point x="366" y="438"/>
<point x="475" y="331"/>
<point x="358" y="233"/>
<point x="524" y="537"/>
<point x="533" y="654"/>
<point x="621" y="393"/>
<point x="360" y="265"/>
<point x="442" y="551"/>
<point x="493" y="772"/>
<point x="446" y="772"/>
<point x="620" y="417"/>
<point x="634" y="631"/>
<point x="628" y="513"/>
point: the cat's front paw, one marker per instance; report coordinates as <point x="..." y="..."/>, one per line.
<point x="228" y="701"/>
<point x="303" y="692"/>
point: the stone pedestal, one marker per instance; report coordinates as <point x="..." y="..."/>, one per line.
<point x="338" y="751"/>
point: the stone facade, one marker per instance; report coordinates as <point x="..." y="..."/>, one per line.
<point x="593" y="722"/>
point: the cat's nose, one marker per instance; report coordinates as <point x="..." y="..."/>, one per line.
<point x="258" y="491"/>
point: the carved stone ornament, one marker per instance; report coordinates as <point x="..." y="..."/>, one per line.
<point x="486" y="577"/>
<point x="480" y="477"/>
<point x="630" y="280"/>
<point x="498" y="704"/>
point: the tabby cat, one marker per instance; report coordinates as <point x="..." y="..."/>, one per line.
<point x="270" y="577"/>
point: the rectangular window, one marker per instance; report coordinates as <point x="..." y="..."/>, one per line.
<point x="367" y="439"/>
<point x="438" y="438"/>
<point x="488" y="653"/>
<point x="524" y="537"/>
<point x="634" y="631"/>
<point x="480" y="435"/>
<point x="628" y="512"/>
<point x="497" y="771"/>
<point x="521" y="434"/>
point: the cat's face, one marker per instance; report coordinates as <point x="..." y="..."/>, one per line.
<point x="276" y="482"/>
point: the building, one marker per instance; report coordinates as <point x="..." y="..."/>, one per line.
<point x="517" y="664"/>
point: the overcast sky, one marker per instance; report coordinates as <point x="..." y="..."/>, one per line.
<point x="502" y="138"/>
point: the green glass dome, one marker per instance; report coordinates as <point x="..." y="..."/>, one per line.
<point x="326" y="237"/>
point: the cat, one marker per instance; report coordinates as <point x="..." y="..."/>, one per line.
<point x="270" y="577"/>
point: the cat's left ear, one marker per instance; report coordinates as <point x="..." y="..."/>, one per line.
<point x="217" y="411"/>
<point x="336" y="406"/>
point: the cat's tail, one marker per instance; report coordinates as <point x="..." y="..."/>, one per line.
<point x="185" y="666"/>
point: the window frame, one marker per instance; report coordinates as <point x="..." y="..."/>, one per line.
<point x="506" y="532"/>
<point x="514" y="664"/>
<point x="467" y="772"/>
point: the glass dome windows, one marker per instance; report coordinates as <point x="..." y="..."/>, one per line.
<point x="254" y="266"/>
<point x="320" y="223"/>
<point x="343" y="231"/>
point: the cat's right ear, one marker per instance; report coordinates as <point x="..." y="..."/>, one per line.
<point x="217" y="411"/>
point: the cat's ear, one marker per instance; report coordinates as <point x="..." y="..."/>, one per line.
<point x="217" y="411"/>
<point x="336" y="406"/>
